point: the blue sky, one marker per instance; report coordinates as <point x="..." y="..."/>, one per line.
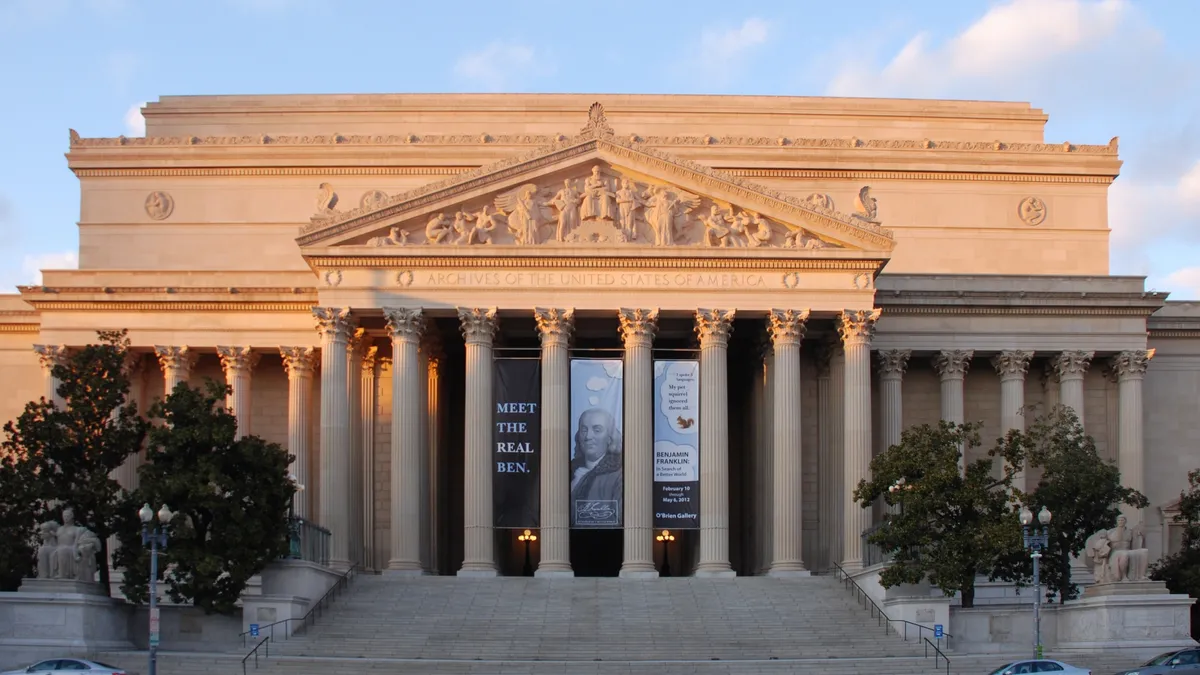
<point x="1100" y="68"/>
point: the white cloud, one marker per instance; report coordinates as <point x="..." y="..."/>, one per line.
<point x="121" y="67"/>
<point x="596" y="383"/>
<point x="32" y="266"/>
<point x="1184" y="282"/>
<point x="614" y="369"/>
<point x="593" y="400"/>
<point x="723" y="50"/>
<point x="135" y="124"/>
<point x="502" y="65"/>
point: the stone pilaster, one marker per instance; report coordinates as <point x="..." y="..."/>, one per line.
<point x="50" y="356"/>
<point x="1070" y="367"/>
<point x="300" y="364"/>
<point x="238" y="364"/>
<point x="714" y="327"/>
<point x="405" y="326"/>
<point x="856" y="327"/>
<point x="764" y="407"/>
<point x="892" y="364"/>
<point x="1012" y="366"/>
<point x="368" y="384"/>
<point x="479" y="329"/>
<point x="355" y="348"/>
<point x="638" y="327"/>
<point x="335" y="326"/>
<point x="824" y="459"/>
<point x="435" y="408"/>
<point x="423" y="441"/>
<point x="177" y="363"/>
<point x="787" y="332"/>
<point x="1130" y="369"/>
<point x="951" y="366"/>
<point x="554" y="328"/>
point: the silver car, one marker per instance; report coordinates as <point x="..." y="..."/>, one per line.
<point x="69" y="666"/>
<point x="1039" y="666"/>
<point x="1178" y="661"/>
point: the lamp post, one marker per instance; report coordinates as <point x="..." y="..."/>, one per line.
<point x="1036" y="540"/>
<point x="154" y="535"/>
<point x="527" y="537"/>
<point x="294" y="525"/>
<point x="666" y="538"/>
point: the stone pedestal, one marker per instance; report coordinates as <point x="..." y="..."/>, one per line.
<point x="61" y="586"/>
<point x="1111" y="616"/>
<point x="50" y="617"/>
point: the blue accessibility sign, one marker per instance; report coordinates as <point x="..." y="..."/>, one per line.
<point x="938" y="632"/>
<point x="254" y="630"/>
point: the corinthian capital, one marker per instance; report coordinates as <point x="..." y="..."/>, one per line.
<point x="857" y="326"/>
<point x="1012" y="364"/>
<point x="1131" y="364"/>
<point x="178" y="358"/>
<point x="334" y="323"/>
<point x="893" y="362"/>
<point x="404" y="323"/>
<point x="299" y="361"/>
<point x="638" y="325"/>
<point x="1072" y="363"/>
<point x="953" y="362"/>
<point x="554" y="325"/>
<point x="51" y="355"/>
<point x="237" y="358"/>
<point x="478" y="324"/>
<point x="786" y="326"/>
<point x="714" y="326"/>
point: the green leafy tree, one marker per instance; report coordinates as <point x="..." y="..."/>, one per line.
<point x="949" y="526"/>
<point x="18" y="517"/>
<point x="66" y="455"/>
<point x="1081" y="489"/>
<point x="230" y="496"/>
<point x="1181" y="570"/>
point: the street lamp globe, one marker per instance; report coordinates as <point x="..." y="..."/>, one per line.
<point x="1044" y="516"/>
<point x="1027" y="515"/>
<point x="165" y="514"/>
<point x="145" y="513"/>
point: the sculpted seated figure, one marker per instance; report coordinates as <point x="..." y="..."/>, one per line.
<point x="68" y="551"/>
<point x="1118" y="554"/>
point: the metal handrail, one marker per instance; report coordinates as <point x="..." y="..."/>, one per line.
<point x="936" y="654"/>
<point x="316" y="609"/>
<point x="254" y="652"/>
<point x="877" y="611"/>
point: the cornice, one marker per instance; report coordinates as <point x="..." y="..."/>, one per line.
<point x="320" y="262"/>
<point x="1193" y="334"/>
<point x="137" y="172"/>
<point x="948" y="176"/>
<point x="156" y="306"/>
<point x="909" y="310"/>
<point x="19" y="327"/>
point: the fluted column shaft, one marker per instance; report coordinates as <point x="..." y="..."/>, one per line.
<point x="1130" y="368"/>
<point x="824" y="460"/>
<point x="1071" y="366"/>
<point x="177" y="363"/>
<point x="50" y="356"/>
<point x="127" y="474"/>
<point x="638" y="327"/>
<point x="423" y="449"/>
<point x="354" y="358"/>
<point x="837" y="450"/>
<point x="405" y="326"/>
<point x="787" y="332"/>
<point x="892" y="364"/>
<point x="1012" y="365"/>
<point x="300" y="363"/>
<point x="479" y="329"/>
<point x="952" y="366"/>
<point x="856" y="328"/>
<point x="335" y="325"/>
<point x="367" y="384"/>
<point x="764" y="387"/>
<point x="554" y="328"/>
<point x="238" y="364"/>
<point x="714" y="327"/>
<point x="436" y="409"/>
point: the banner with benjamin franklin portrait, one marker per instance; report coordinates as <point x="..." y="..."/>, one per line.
<point x="597" y="468"/>
<point x="676" y="445"/>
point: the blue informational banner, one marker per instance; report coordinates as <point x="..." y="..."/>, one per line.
<point x="676" y="445"/>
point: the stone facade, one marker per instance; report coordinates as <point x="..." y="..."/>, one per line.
<point x="947" y="231"/>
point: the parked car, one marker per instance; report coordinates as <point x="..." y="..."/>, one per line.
<point x="69" y="666"/>
<point x="1178" y="661"/>
<point x="1039" y="666"/>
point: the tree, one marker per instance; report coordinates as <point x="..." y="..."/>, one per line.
<point x="230" y="496"/>
<point x="949" y="526"/>
<point x="1082" y="491"/>
<point x="67" y="454"/>
<point x="18" y="517"/>
<point x="1181" y="570"/>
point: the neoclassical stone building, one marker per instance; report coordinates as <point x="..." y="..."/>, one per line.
<point x="839" y="268"/>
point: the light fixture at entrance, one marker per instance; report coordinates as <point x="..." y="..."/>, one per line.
<point x="666" y="538"/>
<point x="527" y="536"/>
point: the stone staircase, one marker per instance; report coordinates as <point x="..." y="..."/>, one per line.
<point x="751" y="625"/>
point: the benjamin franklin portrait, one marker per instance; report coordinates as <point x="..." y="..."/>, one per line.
<point x="596" y="470"/>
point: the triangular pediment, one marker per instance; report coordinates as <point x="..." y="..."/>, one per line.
<point x="597" y="188"/>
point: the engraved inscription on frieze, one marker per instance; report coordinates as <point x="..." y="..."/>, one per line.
<point x="589" y="279"/>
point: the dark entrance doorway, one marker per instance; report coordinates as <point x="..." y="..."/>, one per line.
<point x="597" y="553"/>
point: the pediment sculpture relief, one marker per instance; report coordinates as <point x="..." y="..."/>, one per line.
<point x="601" y="206"/>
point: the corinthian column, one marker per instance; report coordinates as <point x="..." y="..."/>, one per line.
<point x="825" y="481"/>
<point x="367" y="396"/>
<point x="177" y="363"/>
<point x="479" y="328"/>
<point x="300" y="363"/>
<point x="50" y="356"/>
<point x="1071" y="366"/>
<point x="555" y="327"/>
<point x="1130" y="367"/>
<point x="334" y="324"/>
<point x="638" y="327"/>
<point x="405" y="326"/>
<point x="765" y="386"/>
<point x="355" y="347"/>
<point x="427" y="339"/>
<point x="856" y="327"/>
<point x="787" y="331"/>
<point x="952" y="365"/>
<point x="892" y="364"/>
<point x="436" y="409"/>
<point x="1012" y="365"/>
<point x="127" y="474"/>
<point x="714" y="326"/>
<point x="238" y="363"/>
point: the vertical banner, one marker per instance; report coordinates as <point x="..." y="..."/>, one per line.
<point x="516" y="447"/>
<point x="597" y="469"/>
<point x="677" y="445"/>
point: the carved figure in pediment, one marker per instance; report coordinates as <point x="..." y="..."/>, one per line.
<point x="717" y="227"/>
<point x="761" y="233"/>
<point x="803" y="239"/>
<point x="597" y="197"/>
<point x="525" y="212"/>
<point x="437" y="229"/>
<point x="478" y="231"/>
<point x="628" y="202"/>
<point x="866" y="207"/>
<point x="396" y="237"/>
<point x="663" y="207"/>
<point x="566" y="201"/>
<point x="326" y="197"/>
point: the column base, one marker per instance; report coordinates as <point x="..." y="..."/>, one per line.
<point x="403" y="573"/>
<point x="638" y="571"/>
<point x="788" y="572"/>
<point x="554" y="573"/>
<point x="480" y="573"/>
<point x="852" y="566"/>
<point x="715" y="571"/>
<point x="339" y="565"/>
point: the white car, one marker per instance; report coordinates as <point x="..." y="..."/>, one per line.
<point x="69" y="666"/>
<point x="1039" y="666"/>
